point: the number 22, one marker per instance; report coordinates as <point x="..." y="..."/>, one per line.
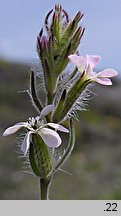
<point x="111" y="206"/>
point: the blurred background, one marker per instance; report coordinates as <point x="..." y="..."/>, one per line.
<point x="93" y="171"/>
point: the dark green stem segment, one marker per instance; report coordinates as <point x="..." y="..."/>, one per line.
<point x="44" y="188"/>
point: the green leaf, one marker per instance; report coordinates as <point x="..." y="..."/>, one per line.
<point x="36" y="102"/>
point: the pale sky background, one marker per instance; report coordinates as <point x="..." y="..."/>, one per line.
<point x="21" y="20"/>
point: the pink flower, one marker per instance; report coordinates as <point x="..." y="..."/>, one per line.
<point x="88" y="63"/>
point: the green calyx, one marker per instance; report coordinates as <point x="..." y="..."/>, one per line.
<point x="72" y="95"/>
<point x="39" y="157"/>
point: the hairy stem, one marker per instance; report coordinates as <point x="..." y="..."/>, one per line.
<point x="44" y="188"/>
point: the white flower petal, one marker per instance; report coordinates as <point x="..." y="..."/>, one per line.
<point x="46" y="110"/>
<point x="103" y="81"/>
<point x="26" y="143"/>
<point x="15" y="128"/>
<point x="79" y="61"/>
<point x="50" y="137"/>
<point x="58" y="127"/>
<point x="93" y="60"/>
<point x="90" y="72"/>
<point x="107" y="73"/>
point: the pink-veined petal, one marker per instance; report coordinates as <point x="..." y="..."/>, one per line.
<point x="79" y="61"/>
<point x="90" y="72"/>
<point x="26" y="143"/>
<point x="15" y="128"/>
<point x="58" y="127"/>
<point x="46" y="110"/>
<point x="93" y="60"/>
<point x="50" y="137"/>
<point x="103" y="81"/>
<point x="107" y="73"/>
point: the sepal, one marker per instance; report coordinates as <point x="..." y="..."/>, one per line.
<point x="59" y="107"/>
<point x="39" y="157"/>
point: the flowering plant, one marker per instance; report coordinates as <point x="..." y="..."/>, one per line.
<point x="66" y="92"/>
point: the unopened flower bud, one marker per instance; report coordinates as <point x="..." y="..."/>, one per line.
<point x="44" y="42"/>
<point x="46" y="20"/>
<point x="78" y="16"/>
<point x="58" y="8"/>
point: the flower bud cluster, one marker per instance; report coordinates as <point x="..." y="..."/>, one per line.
<point x="61" y="38"/>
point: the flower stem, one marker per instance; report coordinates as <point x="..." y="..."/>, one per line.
<point x="44" y="188"/>
<point x="69" y="148"/>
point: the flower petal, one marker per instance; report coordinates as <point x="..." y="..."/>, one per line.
<point x="58" y="127"/>
<point x="107" y="73"/>
<point x="50" y="137"/>
<point x="46" y="110"/>
<point x="79" y="61"/>
<point x="90" y="72"/>
<point x="92" y="60"/>
<point x="103" y="81"/>
<point x="15" y="128"/>
<point x="26" y="143"/>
